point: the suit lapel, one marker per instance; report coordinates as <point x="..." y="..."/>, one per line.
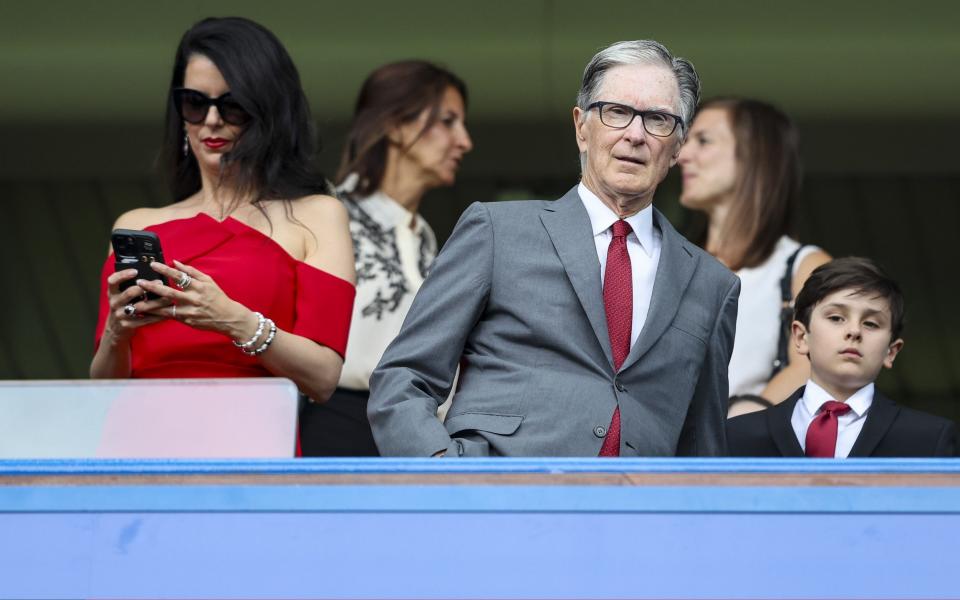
<point x="674" y="272"/>
<point x="568" y="226"/>
<point x="880" y="417"/>
<point x="781" y="429"/>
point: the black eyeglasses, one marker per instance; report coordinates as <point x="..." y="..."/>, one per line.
<point x="193" y="106"/>
<point x="619" y="116"/>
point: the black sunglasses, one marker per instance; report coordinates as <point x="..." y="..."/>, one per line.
<point x="193" y="106"/>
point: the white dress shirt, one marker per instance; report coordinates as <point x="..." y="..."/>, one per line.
<point x="643" y="247"/>
<point x="849" y="425"/>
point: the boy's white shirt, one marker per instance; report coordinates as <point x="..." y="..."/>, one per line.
<point x="849" y="425"/>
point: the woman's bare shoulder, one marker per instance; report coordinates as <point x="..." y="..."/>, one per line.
<point x="319" y="206"/>
<point x="320" y="212"/>
<point x="138" y="218"/>
<point x="141" y="218"/>
<point x="806" y="267"/>
<point x="330" y="248"/>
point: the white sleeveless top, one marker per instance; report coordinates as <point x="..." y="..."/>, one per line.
<point x="758" y="318"/>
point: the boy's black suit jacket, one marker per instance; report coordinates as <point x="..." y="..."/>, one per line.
<point x="890" y="431"/>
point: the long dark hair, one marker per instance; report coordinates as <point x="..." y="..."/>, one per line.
<point x="273" y="157"/>
<point x="768" y="180"/>
<point x="393" y="94"/>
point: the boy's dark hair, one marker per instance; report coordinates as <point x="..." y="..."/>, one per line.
<point x="850" y="273"/>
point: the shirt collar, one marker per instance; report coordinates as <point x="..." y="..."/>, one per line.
<point x="602" y="218"/>
<point x="814" y="396"/>
<point x="389" y="213"/>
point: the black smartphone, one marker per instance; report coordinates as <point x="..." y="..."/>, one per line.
<point x="136" y="250"/>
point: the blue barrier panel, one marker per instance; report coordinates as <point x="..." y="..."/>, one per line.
<point x="461" y="529"/>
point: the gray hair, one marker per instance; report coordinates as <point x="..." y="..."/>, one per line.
<point x="645" y="52"/>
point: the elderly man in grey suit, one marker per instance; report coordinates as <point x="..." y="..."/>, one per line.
<point x="585" y="326"/>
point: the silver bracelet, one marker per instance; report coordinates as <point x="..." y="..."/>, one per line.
<point x="266" y="343"/>
<point x="256" y="336"/>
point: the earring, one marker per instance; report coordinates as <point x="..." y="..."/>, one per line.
<point x="186" y="144"/>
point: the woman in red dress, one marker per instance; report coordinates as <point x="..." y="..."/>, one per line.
<point x="260" y="260"/>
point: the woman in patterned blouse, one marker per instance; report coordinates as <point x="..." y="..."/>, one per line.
<point x="407" y="137"/>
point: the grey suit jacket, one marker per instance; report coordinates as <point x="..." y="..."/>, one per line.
<point x="516" y="294"/>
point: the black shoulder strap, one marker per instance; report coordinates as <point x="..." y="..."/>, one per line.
<point x="786" y="314"/>
<point x="760" y="400"/>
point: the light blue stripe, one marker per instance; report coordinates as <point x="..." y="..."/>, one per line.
<point x="481" y="555"/>
<point x="479" y="540"/>
<point x="478" y="498"/>
<point x="36" y="467"/>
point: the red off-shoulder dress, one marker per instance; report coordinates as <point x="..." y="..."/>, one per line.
<point x="252" y="269"/>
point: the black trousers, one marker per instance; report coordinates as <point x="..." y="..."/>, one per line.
<point x="338" y="427"/>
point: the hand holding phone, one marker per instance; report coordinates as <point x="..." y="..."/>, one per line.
<point x="134" y="249"/>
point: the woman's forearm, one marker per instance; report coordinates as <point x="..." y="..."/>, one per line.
<point x="787" y="380"/>
<point x="314" y="368"/>
<point x="112" y="358"/>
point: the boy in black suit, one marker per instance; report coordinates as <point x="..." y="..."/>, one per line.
<point x="847" y="321"/>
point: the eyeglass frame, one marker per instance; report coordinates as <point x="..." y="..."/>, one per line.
<point x="677" y="119"/>
<point x="178" y="93"/>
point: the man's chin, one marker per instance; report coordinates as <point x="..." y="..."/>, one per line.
<point x="633" y="189"/>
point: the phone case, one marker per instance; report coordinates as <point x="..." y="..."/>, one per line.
<point x="134" y="249"/>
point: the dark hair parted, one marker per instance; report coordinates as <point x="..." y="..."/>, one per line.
<point x="392" y="95"/>
<point x="860" y="275"/>
<point x="273" y="157"/>
<point x="768" y="180"/>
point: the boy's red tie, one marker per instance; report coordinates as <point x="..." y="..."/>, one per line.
<point x="822" y="433"/>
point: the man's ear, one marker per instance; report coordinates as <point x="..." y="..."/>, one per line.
<point x="798" y="335"/>
<point x="579" y="122"/>
<point x="892" y="350"/>
<point x="676" y="151"/>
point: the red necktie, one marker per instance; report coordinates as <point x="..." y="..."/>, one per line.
<point x="822" y="433"/>
<point x="618" y="302"/>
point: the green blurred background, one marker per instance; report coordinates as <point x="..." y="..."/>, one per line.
<point x="874" y="87"/>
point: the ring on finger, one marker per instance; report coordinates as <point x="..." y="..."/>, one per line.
<point x="185" y="281"/>
<point x="129" y="310"/>
<point x="174" y="312"/>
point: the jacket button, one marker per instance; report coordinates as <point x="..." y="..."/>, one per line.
<point x="620" y="387"/>
<point x="600" y="431"/>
